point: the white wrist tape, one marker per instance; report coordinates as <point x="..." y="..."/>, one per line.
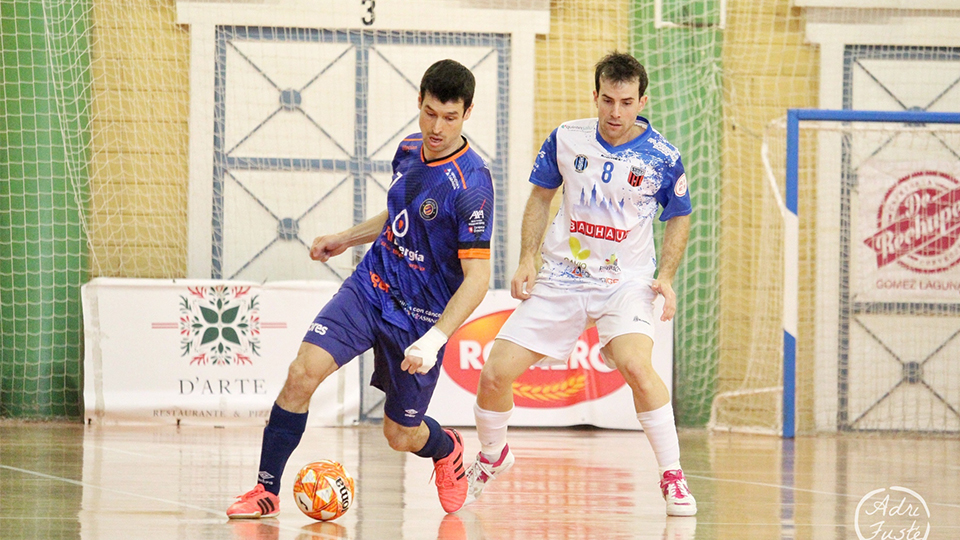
<point x="427" y="347"/>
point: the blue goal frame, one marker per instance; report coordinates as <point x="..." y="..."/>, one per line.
<point x="792" y="228"/>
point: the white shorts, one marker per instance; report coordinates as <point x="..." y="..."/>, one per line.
<point x="551" y="320"/>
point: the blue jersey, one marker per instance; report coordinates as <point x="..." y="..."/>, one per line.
<point x="603" y="232"/>
<point x="439" y="212"/>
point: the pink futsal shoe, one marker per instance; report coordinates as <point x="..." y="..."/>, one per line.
<point x="483" y="471"/>
<point x="254" y="504"/>
<point x="452" y="476"/>
<point x="680" y="501"/>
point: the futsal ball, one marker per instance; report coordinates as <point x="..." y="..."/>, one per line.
<point x="323" y="490"/>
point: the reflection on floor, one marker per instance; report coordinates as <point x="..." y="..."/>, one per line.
<point x="72" y="481"/>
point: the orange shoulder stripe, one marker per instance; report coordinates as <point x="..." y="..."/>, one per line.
<point x="474" y="253"/>
<point x="463" y="181"/>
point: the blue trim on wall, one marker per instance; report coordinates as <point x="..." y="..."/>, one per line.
<point x="219" y="164"/>
<point x="362" y="75"/>
<point x="499" y="167"/>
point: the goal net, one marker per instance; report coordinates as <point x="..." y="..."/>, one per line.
<point x="879" y="283"/>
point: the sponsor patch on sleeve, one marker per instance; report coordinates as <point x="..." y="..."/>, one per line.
<point x="680" y="187"/>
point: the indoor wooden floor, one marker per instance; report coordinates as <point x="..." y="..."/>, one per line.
<point x="71" y="481"/>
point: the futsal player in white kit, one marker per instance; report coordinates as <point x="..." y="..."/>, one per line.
<point x="598" y="266"/>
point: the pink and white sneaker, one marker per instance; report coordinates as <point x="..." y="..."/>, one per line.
<point x="483" y="471"/>
<point x="680" y="501"/>
<point x="255" y="504"/>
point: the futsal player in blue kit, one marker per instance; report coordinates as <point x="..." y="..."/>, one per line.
<point x="598" y="266"/>
<point x="426" y="271"/>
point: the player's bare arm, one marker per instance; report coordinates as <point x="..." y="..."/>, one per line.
<point x="331" y="245"/>
<point x="536" y="217"/>
<point x="675" y="236"/>
<point x="476" y="281"/>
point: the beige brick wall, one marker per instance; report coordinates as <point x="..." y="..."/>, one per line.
<point x="138" y="218"/>
<point x="767" y="69"/>
<point x="581" y="32"/>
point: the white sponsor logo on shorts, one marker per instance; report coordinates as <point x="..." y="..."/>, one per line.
<point x="318" y="328"/>
<point x="410" y="413"/>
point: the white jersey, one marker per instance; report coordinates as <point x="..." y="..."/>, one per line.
<point x="603" y="232"/>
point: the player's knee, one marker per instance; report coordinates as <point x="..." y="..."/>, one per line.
<point x="398" y="437"/>
<point x="311" y="367"/>
<point x="641" y="373"/>
<point x="493" y="382"/>
<point x="301" y="381"/>
<point x="297" y="375"/>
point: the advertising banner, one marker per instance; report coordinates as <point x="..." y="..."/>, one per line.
<point x="217" y="352"/>
<point x="202" y="351"/>
<point x="905" y="238"/>
<point x="579" y="390"/>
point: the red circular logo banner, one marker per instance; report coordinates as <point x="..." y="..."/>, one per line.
<point x="918" y="222"/>
<point x="584" y="377"/>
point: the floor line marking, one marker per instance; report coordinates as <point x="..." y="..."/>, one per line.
<point x="781" y="486"/>
<point x="270" y="523"/>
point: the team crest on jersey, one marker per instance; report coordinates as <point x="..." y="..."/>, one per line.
<point x="680" y="188"/>
<point x="429" y="209"/>
<point x="580" y="163"/>
<point x="400" y="224"/>
<point x="635" y="178"/>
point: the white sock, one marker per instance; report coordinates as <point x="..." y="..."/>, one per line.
<point x="491" y="430"/>
<point x="661" y="430"/>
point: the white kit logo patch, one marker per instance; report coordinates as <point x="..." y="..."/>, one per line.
<point x="452" y="178"/>
<point x="680" y="188"/>
<point x="400" y="224"/>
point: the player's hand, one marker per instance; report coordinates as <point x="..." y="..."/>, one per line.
<point x="421" y="356"/>
<point x="327" y="246"/>
<point x="665" y="288"/>
<point x="523" y="279"/>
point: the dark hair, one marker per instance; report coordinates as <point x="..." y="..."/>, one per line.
<point x="449" y="80"/>
<point x="619" y="68"/>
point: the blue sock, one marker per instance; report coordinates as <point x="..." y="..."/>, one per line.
<point x="439" y="445"/>
<point x="280" y="439"/>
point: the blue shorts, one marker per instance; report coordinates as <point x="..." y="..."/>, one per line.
<point x="349" y="325"/>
